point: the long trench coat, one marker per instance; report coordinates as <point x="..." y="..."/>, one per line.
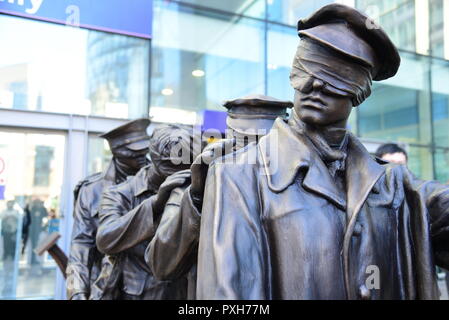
<point x="127" y="224"/>
<point x="172" y="252"/>
<point x="84" y="263"/>
<point x="275" y="226"/>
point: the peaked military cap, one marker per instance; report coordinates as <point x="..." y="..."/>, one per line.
<point x="255" y="112"/>
<point x="353" y="34"/>
<point x="132" y="134"/>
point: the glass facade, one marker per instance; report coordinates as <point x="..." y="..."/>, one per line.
<point x="202" y="53"/>
<point x="32" y="177"/>
<point x="70" y="70"/>
<point x="205" y="52"/>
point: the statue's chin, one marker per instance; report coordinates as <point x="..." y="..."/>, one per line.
<point x="312" y="119"/>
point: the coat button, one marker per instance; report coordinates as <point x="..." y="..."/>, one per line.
<point x="357" y="229"/>
<point x="364" y="293"/>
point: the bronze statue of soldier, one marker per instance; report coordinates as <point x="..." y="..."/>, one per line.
<point x="172" y="252"/>
<point x="129" y="144"/>
<point x="317" y="217"/>
<point x="130" y="213"/>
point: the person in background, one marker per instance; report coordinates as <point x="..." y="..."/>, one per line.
<point x="10" y="220"/>
<point x="391" y="152"/>
<point x="37" y="213"/>
<point x="53" y="221"/>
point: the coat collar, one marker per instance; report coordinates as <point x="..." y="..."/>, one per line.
<point x="109" y="174"/>
<point x="142" y="181"/>
<point x="362" y="173"/>
<point x="285" y="153"/>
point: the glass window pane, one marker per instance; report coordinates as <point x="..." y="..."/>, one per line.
<point x="290" y="11"/>
<point x="397" y="18"/>
<point x="420" y="162"/>
<point x="30" y="182"/>
<point x="200" y="60"/>
<point x="70" y="70"/>
<point x="99" y="155"/>
<point x="442" y="165"/>
<point x="440" y="102"/>
<point x="251" y="8"/>
<point x="282" y="44"/>
<point x="437" y="27"/>
<point x="399" y="108"/>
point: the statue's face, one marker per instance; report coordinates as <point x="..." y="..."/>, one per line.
<point x="318" y="106"/>
<point x="131" y="158"/>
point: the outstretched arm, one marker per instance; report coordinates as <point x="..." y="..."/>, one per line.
<point x="432" y="197"/>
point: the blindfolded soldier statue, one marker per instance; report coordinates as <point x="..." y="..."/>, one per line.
<point x="316" y="216"/>
<point x="129" y="145"/>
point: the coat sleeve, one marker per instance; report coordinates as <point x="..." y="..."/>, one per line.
<point x="432" y="197"/>
<point x="122" y="226"/>
<point x="83" y="249"/>
<point x="173" y="249"/>
<point x="232" y="255"/>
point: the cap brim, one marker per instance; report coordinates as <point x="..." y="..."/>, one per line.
<point x="139" y="145"/>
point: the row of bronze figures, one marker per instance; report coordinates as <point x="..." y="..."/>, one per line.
<point x="303" y="212"/>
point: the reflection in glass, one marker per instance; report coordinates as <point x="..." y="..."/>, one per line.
<point x="399" y="108"/>
<point x="442" y="165"/>
<point x="420" y="162"/>
<point x="290" y="11"/>
<point x="250" y="8"/>
<point x="397" y="18"/>
<point x="71" y="70"/>
<point x="99" y="155"/>
<point x="201" y="59"/>
<point x="282" y="44"/>
<point x="437" y="27"/>
<point x="11" y="230"/>
<point x="29" y="211"/>
<point x="440" y="102"/>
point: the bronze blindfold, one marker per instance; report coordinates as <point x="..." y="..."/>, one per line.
<point x="342" y="76"/>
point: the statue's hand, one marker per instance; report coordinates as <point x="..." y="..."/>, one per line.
<point x="200" y="166"/>
<point x="174" y="181"/>
<point x="79" y="296"/>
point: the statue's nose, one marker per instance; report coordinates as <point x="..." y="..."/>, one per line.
<point x="318" y="84"/>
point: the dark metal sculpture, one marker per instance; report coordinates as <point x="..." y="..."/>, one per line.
<point x="172" y="252"/>
<point x="129" y="145"/>
<point x="249" y="118"/>
<point x="130" y="213"/>
<point x="316" y="217"/>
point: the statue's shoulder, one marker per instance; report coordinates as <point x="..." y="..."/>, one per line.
<point x="242" y="162"/>
<point x="96" y="177"/>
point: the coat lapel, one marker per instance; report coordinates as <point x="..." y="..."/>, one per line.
<point x="284" y="153"/>
<point x="362" y="173"/>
